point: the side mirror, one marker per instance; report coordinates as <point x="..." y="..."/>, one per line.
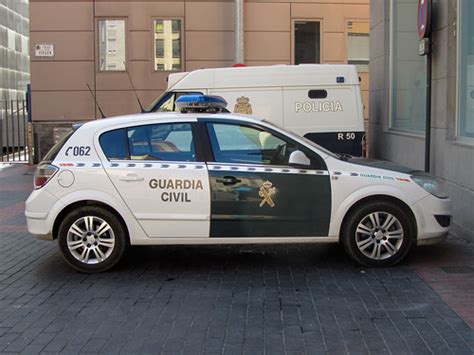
<point x="298" y="158"/>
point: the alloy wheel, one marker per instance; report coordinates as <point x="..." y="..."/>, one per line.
<point x="90" y="240"/>
<point x="379" y="235"/>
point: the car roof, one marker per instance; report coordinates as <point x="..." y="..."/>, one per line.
<point x="156" y="116"/>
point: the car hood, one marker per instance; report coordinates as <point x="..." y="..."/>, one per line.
<point x="380" y="164"/>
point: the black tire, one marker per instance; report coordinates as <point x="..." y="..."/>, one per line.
<point x="116" y="235"/>
<point x="360" y="217"/>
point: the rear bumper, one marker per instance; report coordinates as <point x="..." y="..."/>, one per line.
<point x="38" y="219"/>
<point x="38" y="227"/>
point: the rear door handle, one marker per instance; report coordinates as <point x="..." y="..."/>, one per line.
<point x="132" y="177"/>
<point x="228" y="180"/>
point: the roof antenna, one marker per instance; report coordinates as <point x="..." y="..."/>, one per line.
<point x="133" y="87"/>
<point x="95" y="100"/>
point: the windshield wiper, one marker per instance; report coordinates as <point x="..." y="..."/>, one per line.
<point x="344" y="156"/>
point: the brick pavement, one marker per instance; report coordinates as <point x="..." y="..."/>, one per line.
<point x="227" y="299"/>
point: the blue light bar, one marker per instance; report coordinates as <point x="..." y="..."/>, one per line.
<point x="200" y="102"/>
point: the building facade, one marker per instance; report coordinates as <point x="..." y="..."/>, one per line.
<point x="111" y="45"/>
<point x="398" y="95"/>
<point x="14" y="49"/>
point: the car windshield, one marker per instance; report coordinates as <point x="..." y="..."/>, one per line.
<point x="154" y="103"/>
<point x="306" y="140"/>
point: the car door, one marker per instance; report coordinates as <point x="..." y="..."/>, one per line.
<point x="160" y="176"/>
<point x="254" y="191"/>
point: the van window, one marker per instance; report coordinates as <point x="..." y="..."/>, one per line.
<point x="166" y="141"/>
<point x="165" y="102"/>
<point x="317" y="94"/>
<point x="114" y="144"/>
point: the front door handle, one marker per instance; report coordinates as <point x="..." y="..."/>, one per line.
<point x="132" y="177"/>
<point x="228" y="180"/>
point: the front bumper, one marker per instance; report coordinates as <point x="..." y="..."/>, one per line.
<point x="430" y="231"/>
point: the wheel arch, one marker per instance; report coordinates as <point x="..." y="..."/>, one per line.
<point x="67" y="209"/>
<point x="381" y="198"/>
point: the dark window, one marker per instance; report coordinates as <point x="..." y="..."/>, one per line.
<point x="167" y="141"/>
<point x="317" y="94"/>
<point x="114" y="144"/>
<point x="307" y="42"/>
<point x="177" y="48"/>
<point x="160" y="48"/>
<point x="176" y="26"/>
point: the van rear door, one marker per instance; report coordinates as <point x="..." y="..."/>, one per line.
<point x="330" y="116"/>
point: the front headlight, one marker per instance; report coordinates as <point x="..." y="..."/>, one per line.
<point x="431" y="184"/>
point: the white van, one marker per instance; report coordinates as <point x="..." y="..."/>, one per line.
<point x="318" y="101"/>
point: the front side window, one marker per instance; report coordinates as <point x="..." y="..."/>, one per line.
<point x="168" y="45"/>
<point x="465" y="78"/>
<point x="166" y="141"/>
<point x="240" y="144"/>
<point x="307" y="42"/>
<point x="358" y="45"/>
<point x="112" y="54"/>
<point x="408" y="70"/>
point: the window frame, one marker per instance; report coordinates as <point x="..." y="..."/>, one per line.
<point x="347" y="42"/>
<point x="390" y="128"/>
<point x="181" y="37"/>
<point x="97" y="47"/>
<point x="321" y="37"/>
<point x="457" y="129"/>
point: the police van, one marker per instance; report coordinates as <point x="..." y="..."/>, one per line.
<point x="201" y="176"/>
<point x="318" y="101"/>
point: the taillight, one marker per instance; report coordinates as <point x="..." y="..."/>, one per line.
<point x="43" y="174"/>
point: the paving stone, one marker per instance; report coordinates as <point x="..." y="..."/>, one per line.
<point x="274" y="299"/>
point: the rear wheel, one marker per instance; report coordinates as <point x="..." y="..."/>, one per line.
<point x="378" y="233"/>
<point x="92" y="239"/>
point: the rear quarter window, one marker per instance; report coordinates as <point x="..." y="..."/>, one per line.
<point x="53" y="152"/>
<point x="114" y="144"/>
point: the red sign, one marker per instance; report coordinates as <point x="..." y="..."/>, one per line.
<point x="424" y="18"/>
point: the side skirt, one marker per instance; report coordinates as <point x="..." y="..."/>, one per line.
<point x="240" y="240"/>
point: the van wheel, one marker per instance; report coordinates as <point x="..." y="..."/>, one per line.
<point x="378" y="233"/>
<point x="92" y="239"/>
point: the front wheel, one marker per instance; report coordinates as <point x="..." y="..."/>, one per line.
<point x="92" y="239"/>
<point x="378" y="234"/>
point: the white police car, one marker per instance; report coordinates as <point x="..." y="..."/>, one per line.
<point x="207" y="177"/>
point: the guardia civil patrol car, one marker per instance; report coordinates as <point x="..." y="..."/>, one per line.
<point x="202" y="176"/>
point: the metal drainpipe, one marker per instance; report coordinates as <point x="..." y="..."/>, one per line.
<point x="239" y="32"/>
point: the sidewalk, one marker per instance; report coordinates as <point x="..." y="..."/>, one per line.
<point x="228" y="299"/>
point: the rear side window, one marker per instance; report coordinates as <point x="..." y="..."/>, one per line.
<point x="165" y="141"/>
<point x="114" y="144"/>
<point x="51" y="155"/>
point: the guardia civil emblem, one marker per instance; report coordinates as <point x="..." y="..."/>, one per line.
<point x="243" y="105"/>
<point x="266" y="192"/>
